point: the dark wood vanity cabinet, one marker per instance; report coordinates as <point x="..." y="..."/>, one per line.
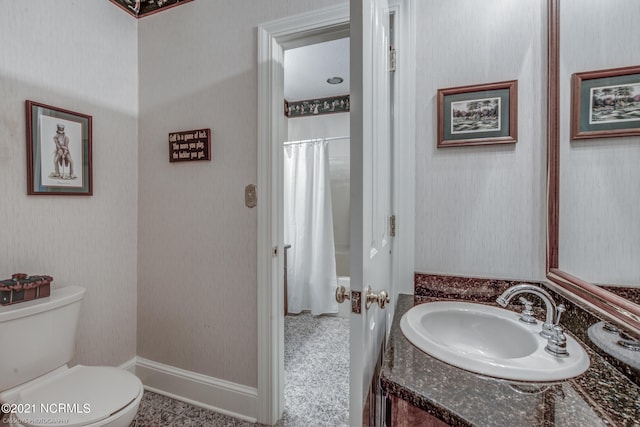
<point x="404" y="414"/>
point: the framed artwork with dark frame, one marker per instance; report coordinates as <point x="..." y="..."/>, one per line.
<point x="58" y="151"/>
<point x="478" y="114"/>
<point x="605" y="103"/>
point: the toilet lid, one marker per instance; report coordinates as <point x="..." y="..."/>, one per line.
<point x="78" y="396"/>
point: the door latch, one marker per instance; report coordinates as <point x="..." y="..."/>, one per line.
<point x="250" y="196"/>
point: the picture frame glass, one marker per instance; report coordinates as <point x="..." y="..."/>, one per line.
<point x="483" y="114"/>
<point x="56" y="170"/>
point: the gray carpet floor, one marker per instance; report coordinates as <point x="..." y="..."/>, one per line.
<point x="316" y="365"/>
<point x="316" y="382"/>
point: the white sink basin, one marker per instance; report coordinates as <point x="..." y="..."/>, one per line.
<point x="489" y="340"/>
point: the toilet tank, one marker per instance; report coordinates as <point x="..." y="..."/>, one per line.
<point x="38" y="336"/>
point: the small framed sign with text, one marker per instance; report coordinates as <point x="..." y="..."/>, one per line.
<point x="190" y="145"/>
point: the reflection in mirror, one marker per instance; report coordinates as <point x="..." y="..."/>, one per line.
<point x="615" y="343"/>
<point x="594" y="184"/>
<point x="599" y="220"/>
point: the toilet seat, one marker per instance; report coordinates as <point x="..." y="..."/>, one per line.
<point x="78" y="396"/>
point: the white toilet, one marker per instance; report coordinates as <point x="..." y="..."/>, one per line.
<point x="37" y="340"/>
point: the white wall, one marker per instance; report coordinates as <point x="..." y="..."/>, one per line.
<point x="599" y="239"/>
<point x="197" y="240"/>
<point x="332" y="126"/>
<point x="480" y="211"/>
<point x="79" y="56"/>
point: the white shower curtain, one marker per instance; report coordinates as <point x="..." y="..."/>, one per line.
<point x="308" y="227"/>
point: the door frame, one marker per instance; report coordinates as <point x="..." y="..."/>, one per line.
<point x="273" y="38"/>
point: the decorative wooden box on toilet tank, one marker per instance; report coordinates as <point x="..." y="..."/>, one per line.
<point x="21" y="288"/>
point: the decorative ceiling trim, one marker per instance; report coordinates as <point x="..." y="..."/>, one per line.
<point x="142" y="8"/>
<point x="315" y="107"/>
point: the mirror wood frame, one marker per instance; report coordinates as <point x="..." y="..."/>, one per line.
<point x="610" y="305"/>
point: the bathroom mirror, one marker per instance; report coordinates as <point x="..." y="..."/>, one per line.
<point x="593" y="249"/>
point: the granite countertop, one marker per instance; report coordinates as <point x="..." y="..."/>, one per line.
<point x="602" y="396"/>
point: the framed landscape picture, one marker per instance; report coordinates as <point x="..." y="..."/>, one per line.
<point x="605" y="103"/>
<point x="478" y="114"/>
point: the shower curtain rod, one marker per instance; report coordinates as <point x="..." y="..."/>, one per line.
<point x="306" y="141"/>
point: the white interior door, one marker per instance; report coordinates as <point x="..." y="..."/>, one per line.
<point x="370" y="243"/>
<point x="371" y="198"/>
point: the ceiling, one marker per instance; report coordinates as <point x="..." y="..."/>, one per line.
<point x="307" y="68"/>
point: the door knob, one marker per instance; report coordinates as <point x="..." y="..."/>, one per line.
<point x="342" y="294"/>
<point x="382" y="298"/>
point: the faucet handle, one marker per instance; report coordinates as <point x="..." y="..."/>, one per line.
<point x="557" y="343"/>
<point x="628" y="342"/>
<point x="559" y="310"/>
<point x="612" y="329"/>
<point x="527" y="313"/>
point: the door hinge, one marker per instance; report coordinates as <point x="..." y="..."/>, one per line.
<point x="392" y="226"/>
<point x="392" y="59"/>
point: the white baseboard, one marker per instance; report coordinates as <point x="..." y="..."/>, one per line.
<point x="129" y="365"/>
<point x="211" y="393"/>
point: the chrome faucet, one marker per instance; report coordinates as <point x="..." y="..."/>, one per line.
<point x="550" y="328"/>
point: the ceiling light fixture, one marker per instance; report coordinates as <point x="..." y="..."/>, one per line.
<point x="335" y="80"/>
